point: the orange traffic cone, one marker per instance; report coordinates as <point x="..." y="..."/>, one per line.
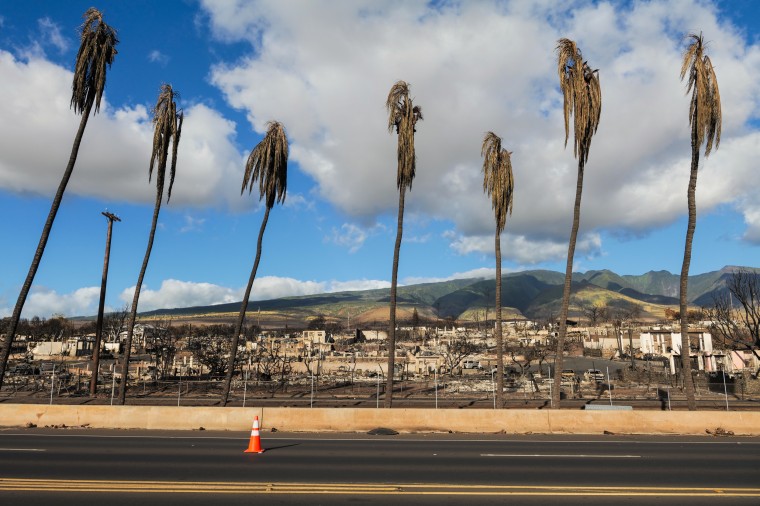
<point x="254" y="445"/>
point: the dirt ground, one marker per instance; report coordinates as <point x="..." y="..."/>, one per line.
<point x="641" y="391"/>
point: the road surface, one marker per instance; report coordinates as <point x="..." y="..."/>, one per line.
<point x="39" y="466"/>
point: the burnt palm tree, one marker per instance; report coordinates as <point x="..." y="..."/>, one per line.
<point x="583" y="101"/>
<point x="705" y="121"/>
<point x="403" y="115"/>
<point x="101" y="305"/>
<point x="499" y="184"/>
<point x="97" y="50"/>
<point x="167" y="128"/>
<point x="267" y="164"/>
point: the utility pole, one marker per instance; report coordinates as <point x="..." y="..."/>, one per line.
<point x="99" y="329"/>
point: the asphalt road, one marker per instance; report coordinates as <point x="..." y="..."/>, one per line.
<point x="40" y="466"/>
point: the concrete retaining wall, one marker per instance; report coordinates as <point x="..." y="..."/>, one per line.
<point x="514" y="421"/>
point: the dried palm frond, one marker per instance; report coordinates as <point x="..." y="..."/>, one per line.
<point x="498" y="181"/>
<point x="403" y="115"/>
<point x="167" y="128"/>
<point x="705" y="115"/>
<point x="96" y="52"/>
<point x="268" y="163"/>
<point x="582" y="95"/>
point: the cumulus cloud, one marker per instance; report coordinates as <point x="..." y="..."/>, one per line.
<point x="752" y="219"/>
<point x="44" y="302"/>
<point x="523" y="250"/>
<point x="325" y="70"/>
<point x="207" y="160"/>
<point x="354" y="285"/>
<point x="174" y="293"/>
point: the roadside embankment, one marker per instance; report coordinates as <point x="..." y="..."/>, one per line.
<point x="514" y="421"/>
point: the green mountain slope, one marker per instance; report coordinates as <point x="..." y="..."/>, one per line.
<point x="532" y="293"/>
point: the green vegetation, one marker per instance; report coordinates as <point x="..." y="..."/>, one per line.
<point x="530" y="294"/>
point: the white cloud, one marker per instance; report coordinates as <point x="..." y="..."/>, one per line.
<point x="174" y="293"/>
<point x="477" y="66"/>
<point x="354" y="285"/>
<point x="297" y="201"/>
<point x="349" y="236"/>
<point x="208" y="159"/>
<point x="273" y="287"/>
<point x="52" y="32"/>
<point x="192" y="224"/>
<point x="752" y="218"/>
<point x="44" y="302"/>
<point x="417" y="239"/>
<point x="525" y="250"/>
<point x="157" y="56"/>
<point x="482" y="273"/>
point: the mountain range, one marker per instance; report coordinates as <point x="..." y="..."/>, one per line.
<point x="528" y="294"/>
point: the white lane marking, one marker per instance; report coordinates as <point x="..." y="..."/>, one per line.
<point x="561" y="456"/>
<point x="22" y="450"/>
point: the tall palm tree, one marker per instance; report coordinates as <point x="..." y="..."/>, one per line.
<point x="101" y="305"/>
<point x="499" y="184"/>
<point x="705" y="120"/>
<point x="97" y="50"/>
<point x="167" y="128"/>
<point x="403" y="115"/>
<point x="267" y="164"/>
<point x="583" y="100"/>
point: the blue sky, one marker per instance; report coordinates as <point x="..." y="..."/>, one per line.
<point x="324" y="68"/>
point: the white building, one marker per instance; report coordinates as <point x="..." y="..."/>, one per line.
<point x="667" y="343"/>
<point x="375" y="335"/>
<point x="75" y="347"/>
<point x="314" y="336"/>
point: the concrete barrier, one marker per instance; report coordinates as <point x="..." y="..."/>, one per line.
<point x="511" y="421"/>
<point x="128" y="417"/>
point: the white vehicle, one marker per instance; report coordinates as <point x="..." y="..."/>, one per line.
<point x="594" y="375"/>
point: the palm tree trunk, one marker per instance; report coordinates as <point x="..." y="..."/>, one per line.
<point x="619" y="337"/>
<point x="688" y="382"/>
<point x="566" y="290"/>
<point x="5" y="351"/>
<point x="499" y="336"/>
<point x="101" y="305"/>
<point x="243" y="308"/>
<point x="135" y="299"/>
<point x="630" y="347"/>
<point x="394" y="282"/>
